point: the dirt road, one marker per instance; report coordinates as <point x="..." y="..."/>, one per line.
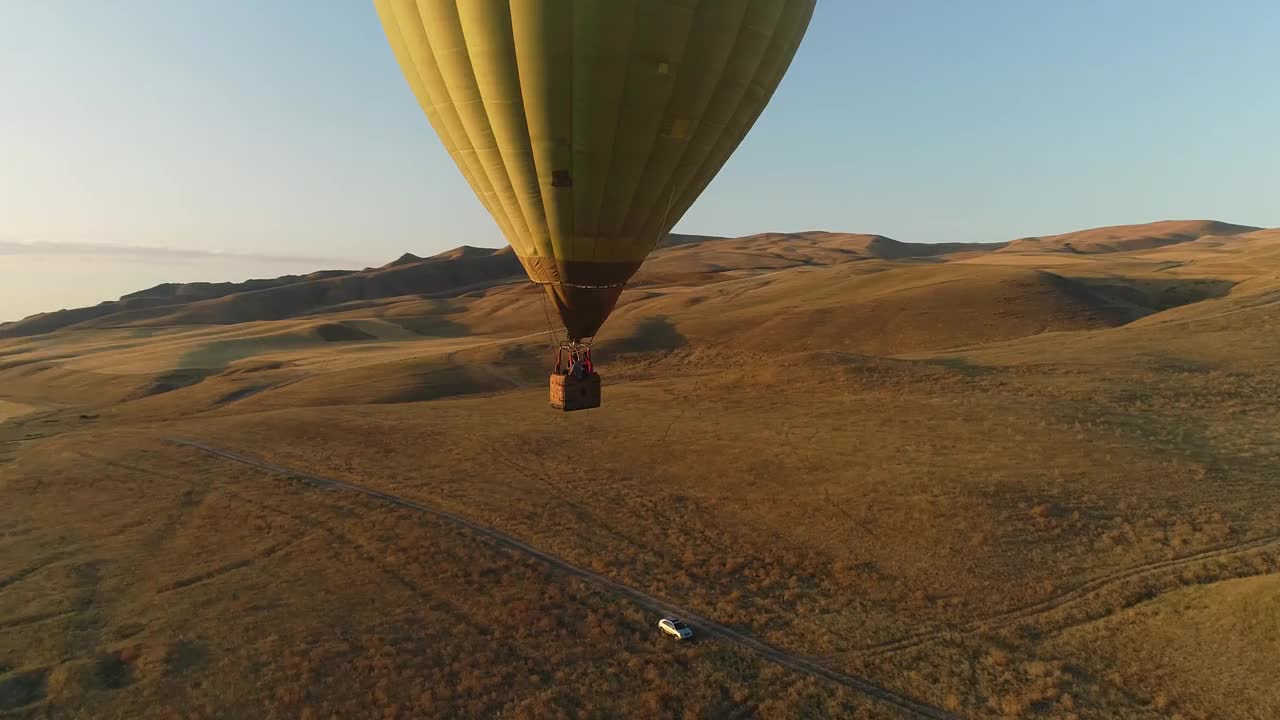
<point x="704" y="625"/>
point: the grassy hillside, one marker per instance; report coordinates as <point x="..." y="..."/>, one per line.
<point x="996" y="483"/>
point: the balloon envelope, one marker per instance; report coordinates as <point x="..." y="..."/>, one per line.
<point x="588" y="127"/>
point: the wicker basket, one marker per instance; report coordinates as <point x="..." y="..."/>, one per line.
<point x="568" y="393"/>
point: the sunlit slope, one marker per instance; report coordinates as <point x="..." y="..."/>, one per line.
<point x="873" y="308"/>
<point x="1211" y="648"/>
<point x="1126" y="238"/>
<point x="776" y="251"/>
<point x="1244" y="255"/>
<point x="1028" y="489"/>
<point x="723" y="300"/>
<point x="446" y="275"/>
<point x="1235" y="331"/>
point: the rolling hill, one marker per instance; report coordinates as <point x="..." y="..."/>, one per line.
<point x="1016" y="480"/>
<point x="1128" y="238"/>
<point x="451" y="273"/>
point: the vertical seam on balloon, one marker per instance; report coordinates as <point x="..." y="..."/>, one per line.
<point x="617" y="125"/>
<point x="688" y="148"/>
<point x="466" y="157"/>
<point x="783" y="37"/>
<point x="698" y="178"/>
<point x="664" y="182"/>
<point x="549" y="200"/>
<point x="512" y="217"/>
<point x="396" y="37"/>
<point x="573" y="139"/>
<point x="650" y="140"/>
<point x="509" y="168"/>
<point x="667" y="110"/>
<point x="475" y="176"/>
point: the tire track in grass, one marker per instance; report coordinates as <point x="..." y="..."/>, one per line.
<point x="1077" y="594"/>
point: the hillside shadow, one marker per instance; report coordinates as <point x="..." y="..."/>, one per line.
<point x="1155" y="295"/>
<point x="960" y="365"/>
<point x="337" y="332"/>
<point x="432" y="326"/>
<point x="221" y="353"/>
<point x="655" y="334"/>
<point x="175" y="380"/>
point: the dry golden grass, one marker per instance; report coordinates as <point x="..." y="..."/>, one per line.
<point x="10" y="410"/>
<point x="1002" y="490"/>
<point x="157" y="582"/>
<point x="1197" y="651"/>
<point x="1128" y="238"/>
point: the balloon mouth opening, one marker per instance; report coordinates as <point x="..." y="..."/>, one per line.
<point x="582" y="310"/>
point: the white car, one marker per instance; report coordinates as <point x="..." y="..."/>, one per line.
<point x="675" y="627"/>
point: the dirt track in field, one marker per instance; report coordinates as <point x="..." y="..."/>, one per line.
<point x="703" y="625"/>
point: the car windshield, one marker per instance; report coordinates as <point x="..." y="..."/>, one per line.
<point x="679" y="625"/>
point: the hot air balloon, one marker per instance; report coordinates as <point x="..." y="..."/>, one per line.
<point x="588" y="127"/>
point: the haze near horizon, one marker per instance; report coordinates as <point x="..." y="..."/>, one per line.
<point x="284" y="129"/>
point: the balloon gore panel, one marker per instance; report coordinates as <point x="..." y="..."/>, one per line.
<point x="587" y="128"/>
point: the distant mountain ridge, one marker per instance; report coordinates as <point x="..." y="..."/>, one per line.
<point x="449" y="273"/>
<point x="467" y="269"/>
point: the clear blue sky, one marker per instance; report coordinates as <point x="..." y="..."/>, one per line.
<point x="279" y="135"/>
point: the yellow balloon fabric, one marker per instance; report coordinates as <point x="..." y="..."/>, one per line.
<point x="588" y="127"/>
